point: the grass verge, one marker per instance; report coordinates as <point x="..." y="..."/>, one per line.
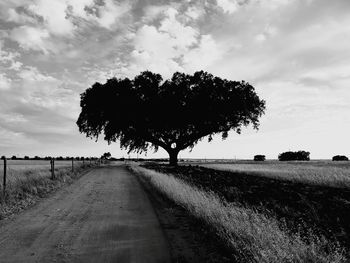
<point x="188" y="239"/>
<point x="33" y="185"/>
<point x="251" y="236"/>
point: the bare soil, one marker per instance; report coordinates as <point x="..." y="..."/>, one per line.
<point x="105" y="216"/>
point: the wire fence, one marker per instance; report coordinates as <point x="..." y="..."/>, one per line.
<point x="14" y="171"/>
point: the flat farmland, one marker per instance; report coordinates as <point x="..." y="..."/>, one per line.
<point x="310" y="199"/>
<point x="27" y="169"/>
<point x="327" y="173"/>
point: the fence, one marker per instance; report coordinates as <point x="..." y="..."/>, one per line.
<point x="12" y="169"/>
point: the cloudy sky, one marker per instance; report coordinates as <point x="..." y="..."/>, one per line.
<point x="296" y="53"/>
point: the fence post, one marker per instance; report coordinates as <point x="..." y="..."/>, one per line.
<point x="52" y="161"/>
<point x="72" y="165"/>
<point x="4" y="181"/>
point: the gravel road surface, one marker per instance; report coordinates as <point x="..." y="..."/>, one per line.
<point x="105" y="216"/>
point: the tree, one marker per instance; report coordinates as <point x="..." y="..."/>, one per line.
<point x="259" y="157"/>
<point x="294" y="156"/>
<point x="14" y="157"/>
<point x="340" y="158"/>
<point x="106" y="155"/>
<point x="147" y="112"/>
<point x="26" y="157"/>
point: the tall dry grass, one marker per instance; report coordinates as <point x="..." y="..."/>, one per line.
<point x="26" y="169"/>
<point x="252" y="237"/>
<point x="319" y="173"/>
<point x="23" y="184"/>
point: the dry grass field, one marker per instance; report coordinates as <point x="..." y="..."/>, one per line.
<point x="251" y="233"/>
<point x="27" y="169"/>
<point x="27" y="179"/>
<point x="325" y="173"/>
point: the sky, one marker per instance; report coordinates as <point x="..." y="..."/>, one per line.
<point x="296" y="53"/>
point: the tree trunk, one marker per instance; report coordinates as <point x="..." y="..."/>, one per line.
<point x="173" y="157"/>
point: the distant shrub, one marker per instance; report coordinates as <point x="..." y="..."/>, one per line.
<point x="26" y="157"/>
<point x="294" y="156"/>
<point x="340" y="158"/>
<point x="259" y="157"/>
<point x="14" y="157"/>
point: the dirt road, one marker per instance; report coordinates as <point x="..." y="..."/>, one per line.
<point x="105" y="216"/>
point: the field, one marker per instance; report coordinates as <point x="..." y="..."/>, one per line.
<point x="290" y="200"/>
<point x="326" y="173"/>
<point x="28" y="179"/>
<point x="25" y="169"/>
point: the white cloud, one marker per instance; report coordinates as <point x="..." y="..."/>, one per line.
<point x="41" y="90"/>
<point x="274" y="4"/>
<point x="10" y="139"/>
<point x="22" y="18"/>
<point x="33" y="74"/>
<point x="79" y="7"/>
<point x="163" y="49"/>
<point x="47" y="18"/>
<point x="260" y="37"/>
<point x="5" y="82"/>
<point x="181" y="35"/>
<point x="110" y="12"/>
<point x="194" y="12"/>
<point x="142" y="60"/>
<point x="30" y="38"/>
<point x="54" y="13"/>
<point x="153" y="12"/>
<point x="204" y="55"/>
<point x="12" y="118"/>
<point x="10" y="58"/>
<point x="268" y="32"/>
<point x="228" y="6"/>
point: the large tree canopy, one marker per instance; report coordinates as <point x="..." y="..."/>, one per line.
<point x="173" y="114"/>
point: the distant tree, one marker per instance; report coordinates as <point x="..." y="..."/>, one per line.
<point x="259" y="157"/>
<point x="106" y="155"/>
<point x="3" y="157"/>
<point x="36" y="157"/>
<point x="294" y="156"/>
<point x="175" y="114"/>
<point x="77" y="158"/>
<point x="14" y="157"/>
<point x="26" y="157"/>
<point x="340" y="158"/>
<point x="60" y="158"/>
<point x="47" y="158"/>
